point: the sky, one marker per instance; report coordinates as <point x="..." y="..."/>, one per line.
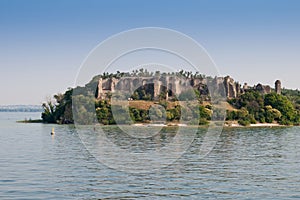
<point x="44" y="42"/>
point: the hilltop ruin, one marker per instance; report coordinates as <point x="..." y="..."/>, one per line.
<point x="171" y="86"/>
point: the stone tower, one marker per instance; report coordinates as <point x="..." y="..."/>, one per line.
<point x="230" y="87"/>
<point x="278" y="87"/>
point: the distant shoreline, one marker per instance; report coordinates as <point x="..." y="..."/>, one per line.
<point x="21" y="108"/>
<point x="31" y="121"/>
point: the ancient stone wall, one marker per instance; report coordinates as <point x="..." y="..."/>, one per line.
<point x="174" y="85"/>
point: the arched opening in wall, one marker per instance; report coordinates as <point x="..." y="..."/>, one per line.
<point x="137" y="82"/>
<point x="170" y="90"/>
<point x="162" y="92"/>
<point x="144" y="92"/>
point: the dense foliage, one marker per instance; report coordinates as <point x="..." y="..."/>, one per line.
<point x="253" y="107"/>
<point x="105" y="113"/>
<point x="59" y="111"/>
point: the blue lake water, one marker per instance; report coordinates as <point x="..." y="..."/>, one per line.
<point x="246" y="163"/>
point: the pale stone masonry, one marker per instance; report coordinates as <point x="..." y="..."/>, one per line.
<point x="173" y="85"/>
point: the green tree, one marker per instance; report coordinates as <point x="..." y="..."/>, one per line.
<point x="48" y="115"/>
<point x="187" y="95"/>
<point x="282" y="104"/>
<point x="169" y="115"/>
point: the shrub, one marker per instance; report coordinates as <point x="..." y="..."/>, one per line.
<point x="244" y="122"/>
<point x="203" y="121"/>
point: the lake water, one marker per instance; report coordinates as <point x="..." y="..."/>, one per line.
<point x="246" y="163"/>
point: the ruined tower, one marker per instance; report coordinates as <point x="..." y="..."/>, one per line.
<point x="278" y="87"/>
<point x="230" y="87"/>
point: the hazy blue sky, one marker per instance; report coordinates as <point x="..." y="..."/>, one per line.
<point x="43" y="43"/>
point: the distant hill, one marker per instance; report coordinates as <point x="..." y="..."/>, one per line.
<point x="21" y="108"/>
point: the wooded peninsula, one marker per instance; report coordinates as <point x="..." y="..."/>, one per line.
<point x="156" y="96"/>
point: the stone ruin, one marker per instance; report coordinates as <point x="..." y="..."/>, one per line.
<point x="172" y="86"/>
<point x="278" y="87"/>
<point x="169" y="85"/>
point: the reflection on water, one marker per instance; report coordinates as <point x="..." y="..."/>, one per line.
<point x="258" y="163"/>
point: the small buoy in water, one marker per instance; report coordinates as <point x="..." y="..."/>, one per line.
<point x="52" y="132"/>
